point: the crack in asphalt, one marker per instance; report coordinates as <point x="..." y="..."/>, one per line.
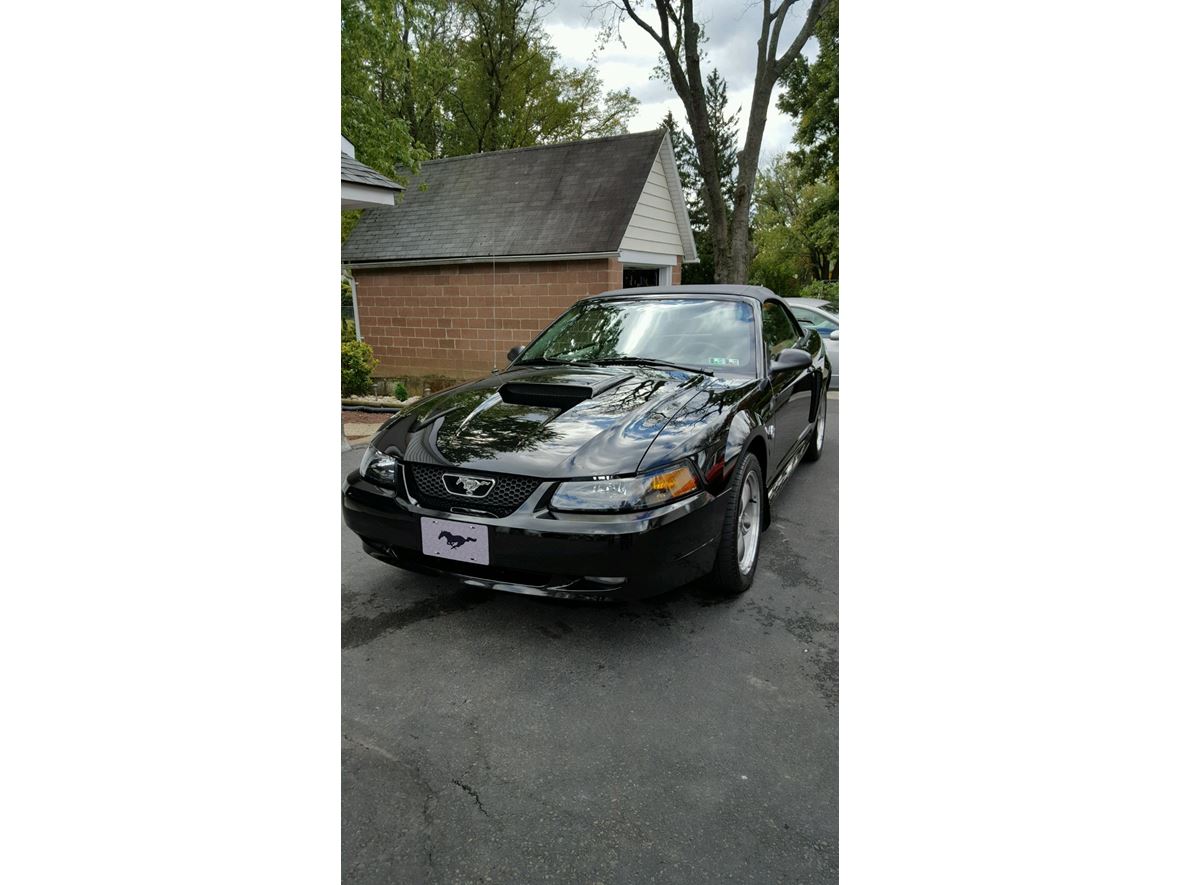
<point x="420" y="779"/>
<point x="359" y="631"/>
<point x="466" y="789"/>
<point x="428" y="819"/>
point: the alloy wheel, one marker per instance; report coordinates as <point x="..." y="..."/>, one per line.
<point x="749" y="523"/>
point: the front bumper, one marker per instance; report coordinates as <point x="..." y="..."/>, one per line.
<point x="537" y="552"/>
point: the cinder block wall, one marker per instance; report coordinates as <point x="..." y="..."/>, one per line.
<point x="438" y="321"/>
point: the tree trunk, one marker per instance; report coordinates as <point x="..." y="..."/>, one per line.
<point x="731" y="234"/>
<point x="743" y="195"/>
<point x="697" y="110"/>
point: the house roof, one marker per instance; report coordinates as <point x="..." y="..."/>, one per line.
<point x="358" y="173"/>
<point x="561" y="199"/>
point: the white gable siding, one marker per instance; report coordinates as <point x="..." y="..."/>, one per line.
<point x="653" y="224"/>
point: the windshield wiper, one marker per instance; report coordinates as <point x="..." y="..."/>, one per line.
<point x="549" y="361"/>
<point x="648" y="361"/>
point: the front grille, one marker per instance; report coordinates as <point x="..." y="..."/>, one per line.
<point x="509" y="492"/>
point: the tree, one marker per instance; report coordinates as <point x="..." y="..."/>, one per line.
<point x="796" y="229"/>
<point x="511" y="92"/>
<point x="797" y="222"/>
<point x="679" y="37"/>
<point x="435" y="78"/>
<point x="723" y="129"/>
<point x="812" y="98"/>
<point x="395" y="65"/>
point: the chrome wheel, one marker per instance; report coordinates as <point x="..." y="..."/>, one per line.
<point x="749" y="523"/>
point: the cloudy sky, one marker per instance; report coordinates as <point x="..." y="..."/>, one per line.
<point x="732" y="32"/>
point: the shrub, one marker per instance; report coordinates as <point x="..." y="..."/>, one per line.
<point x="827" y="290"/>
<point x="400" y="392"/>
<point x="356" y="368"/>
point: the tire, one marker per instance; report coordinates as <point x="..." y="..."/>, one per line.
<point x="733" y="572"/>
<point x="815" y="446"/>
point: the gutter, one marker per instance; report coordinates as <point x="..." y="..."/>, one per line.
<point x="478" y="259"/>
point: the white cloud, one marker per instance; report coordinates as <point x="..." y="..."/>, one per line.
<point x="732" y="32"/>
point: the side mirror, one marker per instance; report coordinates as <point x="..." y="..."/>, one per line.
<point x="515" y="352"/>
<point x="835" y="336"/>
<point x="790" y="359"/>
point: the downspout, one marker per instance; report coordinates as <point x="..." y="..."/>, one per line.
<point x="356" y="318"/>
<point x="356" y="311"/>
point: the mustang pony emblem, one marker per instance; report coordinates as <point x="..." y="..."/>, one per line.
<point x="454" y="540"/>
<point x="467" y="486"/>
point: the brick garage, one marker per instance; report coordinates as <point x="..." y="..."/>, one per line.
<point x="449" y="320"/>
<point x="564" y="221"/>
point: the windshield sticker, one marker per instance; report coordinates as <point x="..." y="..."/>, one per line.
<point x="724" y="361"/>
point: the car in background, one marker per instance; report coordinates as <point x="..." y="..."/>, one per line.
<point x="824" y="317"/>
<point x="634" y="445"/>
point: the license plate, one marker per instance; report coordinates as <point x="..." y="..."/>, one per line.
<point x="462" y="541"/>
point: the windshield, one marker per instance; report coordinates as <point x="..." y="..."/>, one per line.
<point x="699" y="332"/>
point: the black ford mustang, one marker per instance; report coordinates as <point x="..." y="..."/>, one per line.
<point x="633" y="446"/>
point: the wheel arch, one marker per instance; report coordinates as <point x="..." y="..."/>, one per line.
<point x="746" y="434"/>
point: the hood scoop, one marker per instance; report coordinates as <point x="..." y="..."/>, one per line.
<point x="559" y="395"/>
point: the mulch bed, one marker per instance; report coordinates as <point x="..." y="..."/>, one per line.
<point x="364" y="417"/>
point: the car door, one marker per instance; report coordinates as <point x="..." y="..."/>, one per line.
<point x="791" y="389"/>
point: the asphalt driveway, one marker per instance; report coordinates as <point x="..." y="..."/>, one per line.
<point x="497" y="738"/>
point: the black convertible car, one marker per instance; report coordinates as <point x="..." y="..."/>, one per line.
<point x="633" y="446"/>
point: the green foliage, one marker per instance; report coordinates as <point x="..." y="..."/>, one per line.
<point x="356" y="363"/>
<point x="812" y="98"/>
<point x="345" y="293"/>
<point x="400" y="392"/>
<point x="391" y="53"/>
<point x="437" y="78"/>
<point x="797" y="215"/>
<point x="510" y="91"/>
<point x="796" y="229"/>
<point x="828" y="290"/>
<point x="348" y="220"/>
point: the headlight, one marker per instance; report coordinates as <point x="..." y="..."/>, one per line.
<point x="379" y="467"/>
<point x="632" y="493"/>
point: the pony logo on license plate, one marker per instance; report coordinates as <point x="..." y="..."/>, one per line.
<point x="460" y="541"/>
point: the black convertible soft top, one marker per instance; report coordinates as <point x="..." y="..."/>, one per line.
<point x="759" y="292"/>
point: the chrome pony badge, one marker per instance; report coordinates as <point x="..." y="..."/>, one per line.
<point x="467" y="486"/>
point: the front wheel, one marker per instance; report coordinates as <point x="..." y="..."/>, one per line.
<point x="737" y="557"/>
<point x="815" y="447"/>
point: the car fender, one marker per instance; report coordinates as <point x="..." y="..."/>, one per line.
<point x="714" y="428"/>
<point x="725" y="447"/>
<point x="744" y="431"/>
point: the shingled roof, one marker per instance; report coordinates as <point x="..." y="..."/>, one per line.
<point x="359" y="173"/>
<point x="560" y="199"/>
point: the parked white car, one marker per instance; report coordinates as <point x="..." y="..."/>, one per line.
<point x="825" y="317"/>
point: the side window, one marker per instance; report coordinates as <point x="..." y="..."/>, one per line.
<point x="778" y="329"/>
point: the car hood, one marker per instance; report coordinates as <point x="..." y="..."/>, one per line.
<point x="548" y="422"/>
